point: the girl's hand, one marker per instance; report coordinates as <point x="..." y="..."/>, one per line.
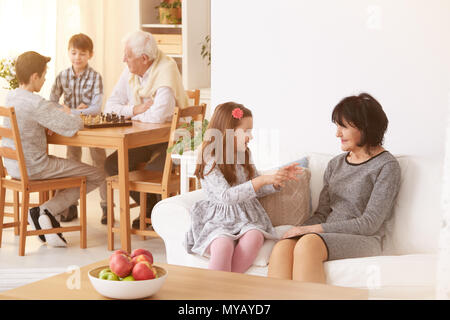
<point x="289" y="172"/>
<point x="300" y="230"/>
<point x="278" y="178"/>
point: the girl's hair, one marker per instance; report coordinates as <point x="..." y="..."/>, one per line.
<point x="141" y="42"/>
<point x="365" y="113"/>
<point x="222" y="120"/>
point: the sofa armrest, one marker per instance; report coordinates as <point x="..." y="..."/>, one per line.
<point x="171" y="218"/>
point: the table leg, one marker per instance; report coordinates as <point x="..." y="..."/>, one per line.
<point x="124" y="191"/>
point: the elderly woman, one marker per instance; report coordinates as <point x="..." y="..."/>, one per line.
<point x="360" y="188"/>
<point x="148" y="90"/>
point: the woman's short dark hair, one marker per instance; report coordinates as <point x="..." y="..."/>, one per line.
<point x="365" y="113"/>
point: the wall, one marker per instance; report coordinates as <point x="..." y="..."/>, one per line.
<point x="292" y="61"/>
<point x="121" y="17"/>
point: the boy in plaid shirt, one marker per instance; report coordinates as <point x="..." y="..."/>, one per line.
<point x="82" y="88"/>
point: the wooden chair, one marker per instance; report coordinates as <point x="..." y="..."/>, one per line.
<point x="25" y="186"/>
<point x="165" y="183"/>
<point x="195" y="96"/>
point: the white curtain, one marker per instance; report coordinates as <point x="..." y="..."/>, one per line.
<point x="46" y="26"/>
<point x="27" y="25"/>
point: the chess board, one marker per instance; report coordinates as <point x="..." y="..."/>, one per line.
<point x="105" y="121"/>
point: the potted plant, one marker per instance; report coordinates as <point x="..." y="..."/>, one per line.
<point x="195" y="140"/>
<point x="206" y="49"/>
<point x="170" y="12"/>
<point x="8" y="72"/>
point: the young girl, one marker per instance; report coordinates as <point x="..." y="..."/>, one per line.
<point x="231" y="211"/>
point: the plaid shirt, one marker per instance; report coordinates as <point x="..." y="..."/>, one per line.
<point x="87" y="89"/>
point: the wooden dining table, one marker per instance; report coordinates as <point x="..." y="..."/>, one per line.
<point x="121" y="139"/>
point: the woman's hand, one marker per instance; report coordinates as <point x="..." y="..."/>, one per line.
<point x="300" y="230"/>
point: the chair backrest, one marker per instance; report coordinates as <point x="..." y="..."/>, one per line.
<point x="195" y="96"/>
<point x="197" y="113"/>
<point x="13" y="134"/>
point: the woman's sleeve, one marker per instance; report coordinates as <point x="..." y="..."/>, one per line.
<point x="323" y="209"/>
<point x="215" y="183"/>
<point x="378" y="208"/>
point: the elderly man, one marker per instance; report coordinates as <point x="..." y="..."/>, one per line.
<point x="148" y="91"/>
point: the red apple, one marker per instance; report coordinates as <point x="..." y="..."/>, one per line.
<point x="144" y="271"/>
<point x="119" y="252"/>
<point x="138" y="252"/>
<point x="141" y="258"/>
<point x="121" y="265"/>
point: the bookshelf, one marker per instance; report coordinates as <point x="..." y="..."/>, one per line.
<point x="182" y="41"/>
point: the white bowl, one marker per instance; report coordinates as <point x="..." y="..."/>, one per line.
<point x="127" y="289"/>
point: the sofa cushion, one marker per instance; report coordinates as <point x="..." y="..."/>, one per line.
<point x="318" y="163"/>
<point x="290" y="206"/>
<point x="416" y="270"/>
<point x="262" y="259"/>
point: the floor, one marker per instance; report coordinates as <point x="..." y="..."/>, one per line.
<point x="41" y="261"/>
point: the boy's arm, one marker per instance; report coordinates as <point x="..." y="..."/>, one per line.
<point x="50" y="115"/>
<point x="56" y="90"/>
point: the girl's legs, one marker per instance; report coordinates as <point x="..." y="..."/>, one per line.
<point x="246" y="250"/>
<point x="282" y="259"/>
<point x="310" y="253"/>
<point x="221" y="250"/>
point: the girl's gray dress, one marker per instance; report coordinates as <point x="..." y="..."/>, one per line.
<point x="354" y="204"/>
<point x="228" y="211"/>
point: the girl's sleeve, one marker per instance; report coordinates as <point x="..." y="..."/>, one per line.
<point x="216" y="184"/>
<point x="266" y="189"/>
<point x="378" y="208"/>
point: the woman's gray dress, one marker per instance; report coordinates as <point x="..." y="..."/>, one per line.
<point x="227" y="211"/>
<point x="354" y="204"/>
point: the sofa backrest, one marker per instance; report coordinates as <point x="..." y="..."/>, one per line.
<point x="415" y="223"/>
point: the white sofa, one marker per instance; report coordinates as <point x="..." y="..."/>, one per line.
<point x="407" y="268"/>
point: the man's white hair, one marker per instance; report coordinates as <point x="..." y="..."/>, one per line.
<point x="141" y="42"/>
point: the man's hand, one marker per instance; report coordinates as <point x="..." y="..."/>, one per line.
<point x="82" y="107"/>
<point x="141" y="108"/>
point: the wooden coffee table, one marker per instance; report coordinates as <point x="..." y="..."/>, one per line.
<point x="185" y="283"/>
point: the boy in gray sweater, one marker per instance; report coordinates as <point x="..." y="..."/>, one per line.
<point x="35" y="117"/>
